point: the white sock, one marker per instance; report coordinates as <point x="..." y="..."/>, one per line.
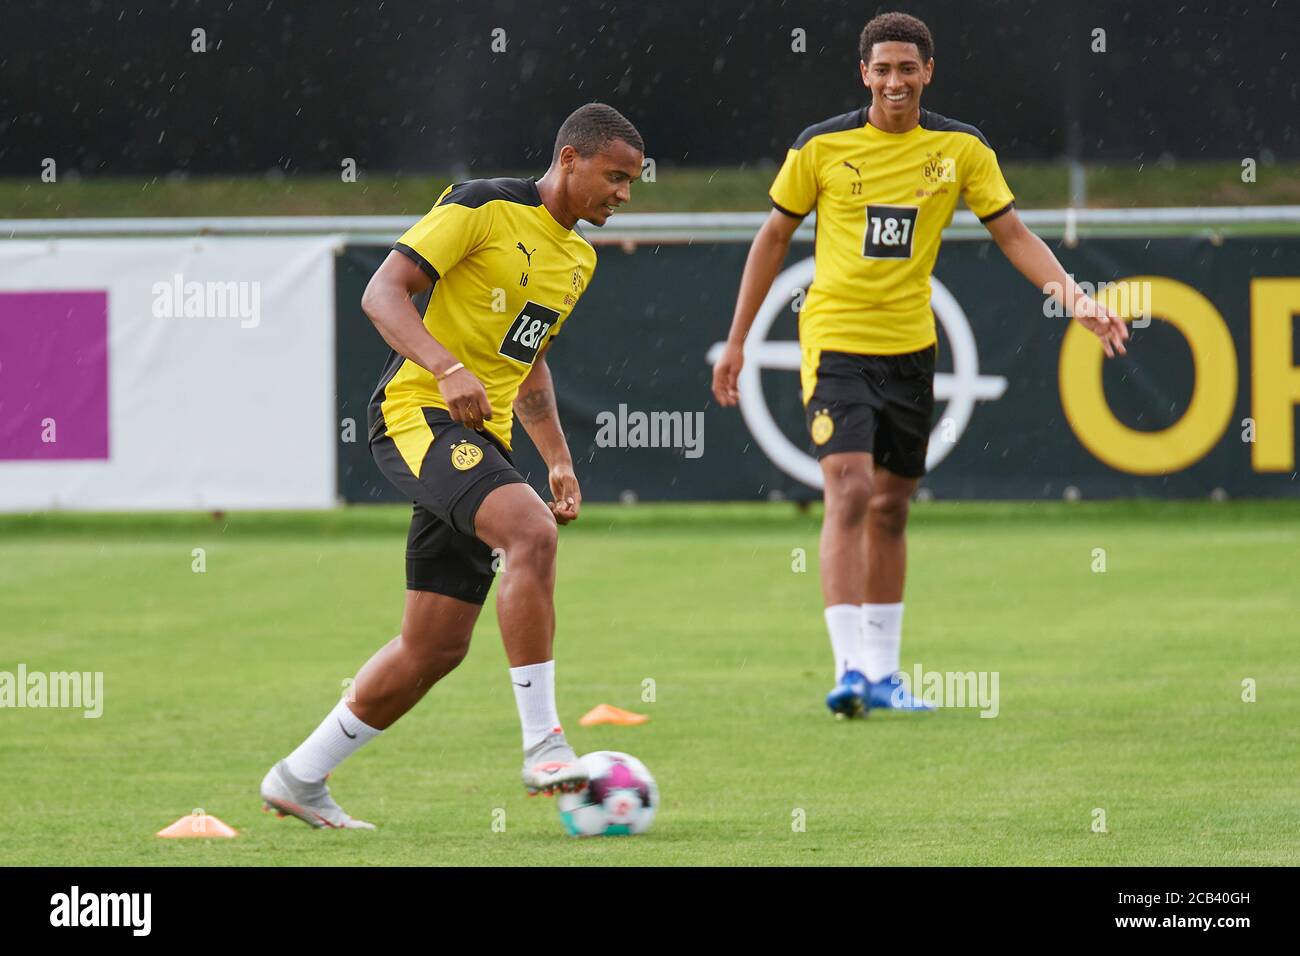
<point x="339" y="736"/>
<point x="534" y="686"/>
<point x="844" y="621"/>
<point x="882" y="625"/>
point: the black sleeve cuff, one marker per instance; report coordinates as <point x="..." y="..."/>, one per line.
<point x="418" y="259"/>
<point x="1003" y="211"/>
<point x="793" y="215"/>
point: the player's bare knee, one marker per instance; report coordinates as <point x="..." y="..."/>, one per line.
<point x="888" y="513"/>
<point x="847" y="498"/>
<point x="435" y="654"/>
<point x="533" y="542"/>
<point x="451" y="656"/>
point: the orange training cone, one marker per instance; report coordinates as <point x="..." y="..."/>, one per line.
<point x="197" y="824"/>
<point x="606" y="714"/>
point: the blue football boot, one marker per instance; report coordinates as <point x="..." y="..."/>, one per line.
<point x="892" y="694"/>
<point x="849" y="698"/>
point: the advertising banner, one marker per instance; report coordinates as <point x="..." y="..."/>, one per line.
<point x="1203" y="404"/>
<point x="167" y="374"/>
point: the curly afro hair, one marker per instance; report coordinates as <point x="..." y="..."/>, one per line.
<point x="896" y="28"/>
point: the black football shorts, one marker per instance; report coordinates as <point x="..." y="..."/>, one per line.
<point x="458" y="469"/>
<point x="881" y="404"/>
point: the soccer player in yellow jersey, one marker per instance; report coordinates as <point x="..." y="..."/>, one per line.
<point x="506" y="266"/>
<point x="884" y="181"/>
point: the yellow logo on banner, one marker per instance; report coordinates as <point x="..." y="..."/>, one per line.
<point x="465" y="456"/>
<point x="1214" y="387"/>
<point x="822" y="427"/>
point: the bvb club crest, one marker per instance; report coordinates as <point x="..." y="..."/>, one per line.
<point x="465" y="455"/>
<point x="939" y="169"/>
<point x="822" y="427"/>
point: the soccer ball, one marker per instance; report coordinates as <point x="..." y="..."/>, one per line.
<point x="620" y="797"/>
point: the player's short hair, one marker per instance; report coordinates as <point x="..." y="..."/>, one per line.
<point x="590" y="128"/>
<point x="896" y="28"/>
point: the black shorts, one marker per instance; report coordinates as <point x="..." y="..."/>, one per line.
<point x="880" y="404"/>
<point x="458" y="469"/>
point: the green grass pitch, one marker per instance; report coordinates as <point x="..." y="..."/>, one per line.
<point x="1120" y="691"/>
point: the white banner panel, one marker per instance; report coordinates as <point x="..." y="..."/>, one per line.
<point x="167" y="374"/>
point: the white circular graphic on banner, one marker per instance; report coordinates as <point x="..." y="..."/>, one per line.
<point x="961" y="388"/>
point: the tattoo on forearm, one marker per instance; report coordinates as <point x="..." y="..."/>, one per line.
<point x="536" y="405"/>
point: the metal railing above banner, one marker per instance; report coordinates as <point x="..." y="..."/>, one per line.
<point x="690" y="226"/>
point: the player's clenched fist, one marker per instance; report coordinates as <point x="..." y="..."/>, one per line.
<point x="568" y="497"/>
<point x="725" y="374"/>
<point x="466" y="398"/>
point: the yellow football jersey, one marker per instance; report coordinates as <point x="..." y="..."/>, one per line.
<point x="882" y="201"/>
<point x="506" y="276"/>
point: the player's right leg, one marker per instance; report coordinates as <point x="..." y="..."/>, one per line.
<point x="516" y="523"/>
<point x="436" y="631"/>
<point x="847" y="479"/>
<point x="435" y="637"/>
<point x="841" y="413"/>
<point x="448" y="575"/>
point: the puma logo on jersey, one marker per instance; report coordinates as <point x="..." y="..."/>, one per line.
<point x="527" y="254"/>
<point x="852" y="167"/>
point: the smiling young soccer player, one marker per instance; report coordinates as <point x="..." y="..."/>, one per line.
<point x="884" y="181"/>
<point x="506" y="267"/>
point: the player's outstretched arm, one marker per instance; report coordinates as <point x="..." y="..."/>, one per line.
<point x="536" y="409"/>
<point x="765" y="258"/>
<point x="387" y="303"/>
<point x="1036" y="263"/>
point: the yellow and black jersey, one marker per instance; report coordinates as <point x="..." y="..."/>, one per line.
<point x="506" y="275"/>
<point x="882" y="201"/>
